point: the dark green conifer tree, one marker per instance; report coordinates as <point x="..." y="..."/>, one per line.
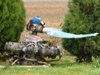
<point x="83" y="18"/>
<point x="12" y="20"/>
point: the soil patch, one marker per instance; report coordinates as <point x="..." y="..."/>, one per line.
<point x="51" y="13"/>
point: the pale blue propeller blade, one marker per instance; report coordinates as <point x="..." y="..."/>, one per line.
<point x="59" y="33"/>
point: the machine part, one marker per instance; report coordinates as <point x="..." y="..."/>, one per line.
<point x="34" y="28"/>
<point x="32" y="50"/>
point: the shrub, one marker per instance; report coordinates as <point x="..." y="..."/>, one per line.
<point x="12" y="20"/>
<point x="83" y="18"/>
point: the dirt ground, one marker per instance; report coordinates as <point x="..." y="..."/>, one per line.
<point x="51" y="12"/>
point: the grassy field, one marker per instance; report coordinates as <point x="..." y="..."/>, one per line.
<point x="66" y="66"/>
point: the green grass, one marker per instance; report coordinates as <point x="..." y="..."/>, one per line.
<point x="66" y="66"/>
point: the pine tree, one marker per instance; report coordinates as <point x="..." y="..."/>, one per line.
<point x="12" y="20"/>
<point x="83" y="18"/>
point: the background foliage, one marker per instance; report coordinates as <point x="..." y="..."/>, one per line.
<point x="12" y="20"/>
<point x="83" y="18"/>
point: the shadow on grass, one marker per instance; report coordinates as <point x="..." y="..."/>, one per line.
<point x="66" y="61"/>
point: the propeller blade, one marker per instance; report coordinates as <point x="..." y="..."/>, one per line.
<point x="59" y="33"/>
